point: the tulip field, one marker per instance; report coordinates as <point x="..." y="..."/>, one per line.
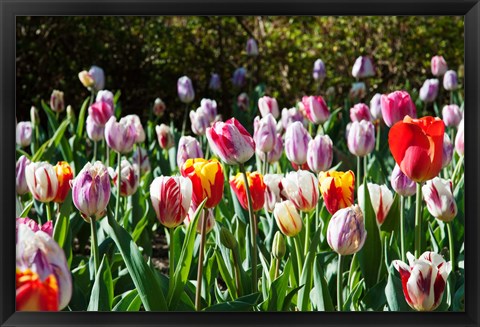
<point x="312" y="205"/>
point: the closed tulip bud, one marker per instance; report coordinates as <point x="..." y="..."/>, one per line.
<point x="98" y="77"/>
<point x="265" y="132"/>
<point x="24" y="133"/>
<point x="34" y="117"/>
<point x="91" y="190"/>
<point x="252" y="47"/>
<point x="257" y="189"/>
<point x="130" y="176"/>
<point x="346" y="232"/>
<point x="188" y="148"/>
<point x="376" y="106"/>
<point x="450" y="81"/>
<point x="64" y="176"/>
<point x="71" y="114"/>
<point x="274" y="190"/>
<point x="185" y="89"/>
<point x="448" y="148"/>
<point x="363" y="67"/>
<point x="451" y="115"/>
<point x="159" y="107"/>
<point x="429" y="90"/>
<point x="86" y="79"/>
<point x="358" y="91"/>
<point x="171" y="198"/>
<point x="424" y="280"/>
<point x="287" y="218"/>
<point x="319" y="71"/>
<point x="95" y="131"/>
<point x="210" y="108"/>
<point x="191" y="214"/>
<point x="100" y="112"/>
<point x="316" y="109"/>
<point x="120" y="136"/>
<point x="140" y="157"/>
<point x="42" y="181"/>
<point x="105" y="96"/>
<point x="320" y="153"/>
<point x="438" y="194"/>
<point x="268" y="105"/>
<point x="361" y="138"/>
<point x="290" y="116"/>
<point x="227" y="239"/>
<point x="397" y="105"/>
<point x="21" y="181"/>
<point x="302" y="189"/>
<point x="459" y="139"/>
<point x="134" y="120"/>
<point x="200" y="121"/>
<point x="439" y="66"/>
<point x="380" y="197"/>
<point x="239" y="77"/>
<point x="231" y="142"/>
<point x="165" y="136"/>
<point x="207" y="180"/>
<point x="337" y="189"/>
<point x="359" y="112"/>
<point x="57" y="103"/>
<point x="215" y="83"/>
<point x="296" y="143"/>
<point x="401" y="183"/>
<point x="279" y="248"/>
<point x="243" y="101"/>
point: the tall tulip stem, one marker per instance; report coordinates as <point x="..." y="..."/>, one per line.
<point x="307" y="233"/>
<point x="119" y="183"/>
<point x="94" y="244"/>
<point x="198" y="292"/>
<point x="94" y="151"/>
<point x="339" y="283"/>
<point x="451" y="245"/>
<point x="402" y="227"/>
<point x="171" y="258"/>
<point x="253" y="234"/>
<point x="49" y="211"/>
<point x="185" y="114"/>
<point x="357" y="177"/>
<point x="298" y="252"/>
<point x="418" y="221"/>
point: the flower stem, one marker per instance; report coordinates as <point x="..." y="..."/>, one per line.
<point x="377" y="145"/>
<point x="418" y="221"/>
<point x="94" y="243"/>
<point x="172" y="253"/>
<point x="94" y="151"/>
<point x="49" y="211"/>
<point x="119" y="183"/>
<point x="365" y="166"/>
<point x="307" y="234"/>
<point x="236" y="264"/>
<point x="451" y="245"/>
<point x="253" y="234"/>
<point x="402" y="227"/>
<point x="185" y="119"/>
<point x="277" y="268"/>
<point x="358" y="173"/>
<point x="198" y="292"/>
<point x="298" y="251"/>
<point x="339" y="283"/>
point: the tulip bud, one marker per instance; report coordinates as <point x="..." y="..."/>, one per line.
<point x="86" y="79"/>
<point x="215" y="82"/>
<point x="359" y="112"/>
<point x="363" y="67"/>
<point x="429" y="90"/>
<point x="100" y="112"/>
<point x="191" y="214"/>
<point x="34" y="117"/>
<point x="358" y="91"/>
<point x="188" y="148"/>
<point x="459" y="139"/>
<point x="450" y="81"/>
<point x="120" y="136"/>
<point x="279" y="247"/>
<point x="200" y="121"/>
<point x="95" y="131"/>
<point x="380" y="197"/>
<point x="287" y="218"/>
<point x="275" y="154"/>
<point x="361" y="138"/>
<point x="140" y="157"/>
<point x="210" y="108"/>
<point x="239" y="77"/>
<point x="319" y="71"/>
<point x="105" y="96"/>
<point x="252" y="47"/>
<point x="134" y="120"/>
<point x="424" y="280"/>
<point x="346" y="232"/>
<point x="57" y="103"/>
<point x="64" y="176"/>
<point x="316" y="109"/>
<point x="98" y="77"/>
<point x="320" y="153"/>
<point x="130" y="176"/>
<point x="243" y="102"/>
<point x="185" y="89"/>
<point x="42" y="181"/>
<point x="439" y="66"/>
<point x="24" y="133"/>
<point x="264" y="133"/>
<point x="438" y="194"/>
<point x="71" y="114"/>
<point x="268" y="105"/>
<point x="91" y="190"/>
<point x="227" y="239"/>
<point x="21" y="181"/>
<point x="296" y="143"/>
<point x="256" y="186"/>
<point x="165" y="136"/>
<point x="397" y="105"/>
<point x="451" y="115"/>
<point x="401" y="183"/>
<point x="159" y="108"/>
<point x="448" y="148"/>
<point x="301" y="188"/>
<point x="376" y="106"/>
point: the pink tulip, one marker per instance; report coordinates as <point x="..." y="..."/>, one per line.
<point x="100" y="112"/>
<point x="320" y="153"/>
<point x="264" y="133"/>
<point x="316" y="109"/>
<point x="397" y="105"/>
<point x="165" y="136"/>
<point x="459" y="139"/>
<point x="268" y="105"/>
<point x="451" y="115"/>
<point x="120" y="136"/>
<point x="359" y="112"/>
<point x="439" y="66"/>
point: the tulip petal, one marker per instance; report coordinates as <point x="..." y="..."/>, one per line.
<point x="416" y="163"/>
<point x="404" y="135"/>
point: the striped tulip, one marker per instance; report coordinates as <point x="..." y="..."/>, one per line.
<point x="120" y="136"/>
<point x="450" y="80"/>
<point x="448" y="148"/>
<point x="401" y="183"/>
<point x="429" y="90"/>
<point x="185" y="89"/>
<point x="24" y="133"/>
<point x="452" y="116"/>
<point x="200" y="121"/>
<point x="296" y="143"/>
<point x="290" y="116"/>
<point x="188" y="148"/>
<point x="380" y="197"/>
<point x="363" y="67"/>
<point x="376" y="106"/>
<point x="165" y="136"/>
<point x="337" y="189"/>
<point x="274" y="190"/>
<point x="64" y="176"/>
<point x="320" y="153"/>
<point x="361" y="138"/>
<point x="397" y="105"/>
<point x="439" y="66"/>
<point x="264" y="133"/>
<point x="252" y="47"/>
<point x="20" y="179"/>
<point x="268" y="105"/>
<point x="130" y="176"/>
<point x="134" y="120"/>
<point x="287" y="218"/>
<point x="257" y="189"/>
<point x="316" y="109"/>
<point x="346" y="232"/>
<point x="438" y="194"/>
<point x="57" y="103"/>
<point x="95" y="131"/>
<point x="191" y="214"/>
<point x="32" y="224"/>
<point x="459" y="139"/>
<point x="360" y="112"/>
<point x="301" y="188"/>
<point x="42" y="181"/>
<point x="105" y="96"/>
<point x="319" y="71"/>
<point x="210" y="107"/>
<point x="140" y="157"/>
<point x="100" y="112"/>
<point x="159" y="107"/>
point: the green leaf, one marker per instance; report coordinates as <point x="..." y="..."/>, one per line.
<point x="375" y="298"/>
<point x="278" y="289"/>
<point x="394" y="293"/>
<point x="320" y="294"/>
<point x="62" y="233"/>
<point x="244" y="303"/>
<point x="26" y="210"/>
<point x="353" y="297"/>
<point x="129" y="302"/>
<point x="392" y="220"/>
<point x="81" y="118"/>
<point x="227" y="278"/>
<point x="101" y="297"/>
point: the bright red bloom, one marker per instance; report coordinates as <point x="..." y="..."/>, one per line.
<point x="417" y="146"/>
<point x="257" y="189"/>
<point x="33" y="294"/>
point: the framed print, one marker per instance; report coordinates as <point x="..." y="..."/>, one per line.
<point x="202" y="162"/>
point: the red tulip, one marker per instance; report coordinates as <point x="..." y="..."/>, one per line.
<point x="257" y="189"/>
<point x="417" y="147"/>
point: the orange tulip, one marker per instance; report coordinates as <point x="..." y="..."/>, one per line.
<point x="64" y="175"/>
<point x="417" y="147"/>
<point x="337" y="189"/>
<point x="33" y="294"/>
<point x="257" y="189"/>
<point x="207" y="180"/>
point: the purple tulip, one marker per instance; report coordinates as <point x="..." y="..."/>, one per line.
<point x="363" y="67"/>
<point x="21" y="181"/>
<point x="450" y="81"/>
<point x="120" y="136"/>
<point x="401" y="183"/>
<point x="200" y="121"/>
<point x="376" y="106"/>
<point x="188" y="148"/>
<point x="276" y="153"/>
<point x="98" y="77"/>
<point x="215" y="82"/>
<point x="239" y="77"/>
<point x="24" y="133"/>
<point x="264" y="133"/>
<point x="134" y="120"/>
<point x="319" y="71"/>
<point x="346" y="232"/>
<point x="95" y="131"/>
<point x="320" y="153"/>
<point x="361" y="138"/>
<point x="252" y="47"/>
<point x="296" y="143"/>
<point x="448" y="148"/>
<point x="429" y="90"/>
<point x="210" y="107"/>
<point x="451" y="115"/>
<point x="185" y="89"/>
<point x="291" y="115"/>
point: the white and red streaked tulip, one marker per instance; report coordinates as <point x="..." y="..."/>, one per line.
<point x="268" y="105"/>
<point x="361" y="138"/>
<point x="320" y="153"/>
<point x="450" y="80"/>
<point x="346" y="232"/>
<point x="57" y="104"/>
<point x="210" y="107"/>
<point x="130" y="175"/>
<point x="120" y="136"/>
<point x="239" y="77"/>
<point x="252" y="47"/>
<point x="363" y="67"/>
<point x="100" y="112"/>
<point x="105" y="96"/>
<point x="439" y="66"/>
<point x="438" y="194"/>
<point x="296" y="143"/>
<point x="159" y="107"/>
<point x="397" y="105"/>
<point x="401" y="183"/>
<point x="360" y="112"/>
<point x="423" y="280"/>
<point x="319" y="71"/>
<point x="448" y="148"/>
<point x="243" y="101"/>
<point x="165" y="136"/>
<point x="140" y="157"/>
<point x="91" y="190"/>
<point x="137" y="124"/>
<point x="459" y="139"/>
<point x="200" y="121"/>
<point x="452" y="116"/>
<point x="215" y="83"/>
<point x="171" y="197"/>
<point x="185" y="89"/>
<point x="276" y="153"/>
<point x="287" y="218"/>
<point x="429" y="90"/>
<point x="380" y="197"/>
<point x="37" y="251"/>
<point x="95" y="131"/>
<point x="358" y="91"/>
<point x="188" y="148"/>
<point x="210" y="218"/>
<point x="231" y="142"/>
<point x="316" y="109"/>
<point x="20" y="177"/>
<point x="274" y="191"/>
<point x="301" y="188"/>
<point x="265" y="132"/>
<point x="42" y="181"/>
<point x="376" y="106"/>
<point x="24" y="133"/>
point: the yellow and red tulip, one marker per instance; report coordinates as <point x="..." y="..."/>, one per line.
<point x="35" y="294"/>
<point x="64" y="176"/>
<point x="337" y="189"/>
<point x="257" y="189"/>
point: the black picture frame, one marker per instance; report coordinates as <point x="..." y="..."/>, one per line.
<point x="9" y="9"/>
